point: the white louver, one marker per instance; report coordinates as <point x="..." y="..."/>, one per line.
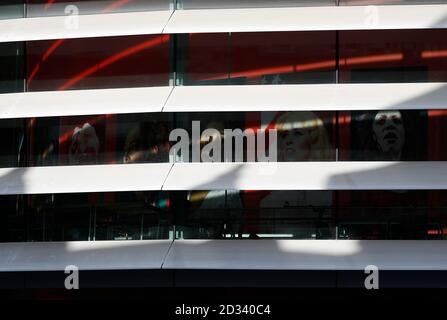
<point x="319" y="97"/>
<point x="226" y="20"/>
<point x="363" y="175"/>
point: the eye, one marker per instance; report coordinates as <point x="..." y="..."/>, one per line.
<point x="397" y="120"/>
<point x="381" y="120"/>
<point x="298" y="133"/>
<point x="284" y="134"/>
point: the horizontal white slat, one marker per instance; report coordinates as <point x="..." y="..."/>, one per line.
<point x="226" y="20"/>
<point x="83" y="26"/>
<point x="225" y="254"/>
<point x="309" y="19"/>
<point x="217" y="176"/>
<point x="308" y="176"/>
<point x="305" y="97"/>
<point x="307" y="254"/>
<point x="316" y="97"/>
<point x="86" y="255"/>
<point x="82" y="102"/>
<point x="88" y="178"/>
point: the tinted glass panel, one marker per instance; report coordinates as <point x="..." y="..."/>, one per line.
<point x="393" y="56"/>
<point x="225" y="4"/>
<point x="12" y="69"/>
<point x="12" y="9"/>
<point x="225" y="214"/>
<point x="387" y="2"/>
<point x="386" y="135"/>
<point x="256" y="58"/>
<point x="43" y="8"/>
<point x="95" y="63"/>
<point x="393" y="135"/>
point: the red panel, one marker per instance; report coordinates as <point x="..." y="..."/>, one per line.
<point x="108" y="62"/>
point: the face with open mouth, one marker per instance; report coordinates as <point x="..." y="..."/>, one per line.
<point x="389" y="131"/>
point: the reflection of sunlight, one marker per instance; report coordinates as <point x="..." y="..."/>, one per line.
<point x="321" y="247"/>
<point x="80" y="246"/>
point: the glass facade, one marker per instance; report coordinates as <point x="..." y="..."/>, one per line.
<point x="384" y="135"/>
<point x="45" y="8"/>
<point x="225" y="214"/>
<point x="253" y="58"/>
<point x="313" y="57"/>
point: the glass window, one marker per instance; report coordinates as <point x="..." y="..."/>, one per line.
<point x="12" y="71"/>
<point x="43" y="8"/>
<point x="301" y="136"/>
<point x="393" y="56"/>
<point x="82" y="217"/>
<point x="393" y="135"/>
<point x="98" y="63"/>
<point x="226" y="214"/>
<point x="256" y="58"/>
<point x="399" y="214"/>
<point x="231" y="4"/>
<point x="387" y="2"/>
<point x="385" y="135"/>
<point x="12" y="9"/>
<point x="102" y="139"/>
<point x="222" y="214"/>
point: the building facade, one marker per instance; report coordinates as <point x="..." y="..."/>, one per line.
<point x="350" y="172"/>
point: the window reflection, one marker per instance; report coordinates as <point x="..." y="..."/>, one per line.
<point x="392" y="135"/>
<point x="226" y="214"/>
<point x="12" y="9"/>
<point x="98" y="63"/>
<point x="229" y="4"/>
<point x="387" y="2"/>
<point x="384" y="135"/>
<point x="45" y="8"/>
<point x="281" y="58"/>
<point x="392" y="56"/>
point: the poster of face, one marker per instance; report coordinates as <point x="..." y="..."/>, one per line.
<point x="389" y="135"/>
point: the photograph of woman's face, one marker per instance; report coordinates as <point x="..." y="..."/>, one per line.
<point x="302" y="137"/>
<point x="294" y="144"/>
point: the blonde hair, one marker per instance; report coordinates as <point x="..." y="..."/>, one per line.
<point x="320" y="145"/>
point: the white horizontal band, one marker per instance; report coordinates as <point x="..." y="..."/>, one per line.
<point x="86" y="255"/>
<point x="226" y="20"/>
<point x="83" y="102"/>
<point x="318" y="97"/>
<point x="309" y="19"/>
<point x="422" y="175"/>
<point x="83" y="26"/>
<point x="307" y="255"/>
<point x="308" y="176"/>
<point x="88" y="178"/>
<point x="304" y="97"/>
<point x="225" y="255"/>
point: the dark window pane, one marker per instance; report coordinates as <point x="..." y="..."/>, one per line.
<point x="11" y="9"/>
<point x="396" y="214"/>
<point x="393" y="56"/>
<point x="393" y="135"/>
<point x="43" y="8"/>
<point x="12" y="75"/>
<point x="256" y="58"/>
<point x="96" y="63"/>
<point x="230" y="4"/>
<point x="387" y="2"/>
<point x="222" y="214"/>
<point x="301" y="136"/>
